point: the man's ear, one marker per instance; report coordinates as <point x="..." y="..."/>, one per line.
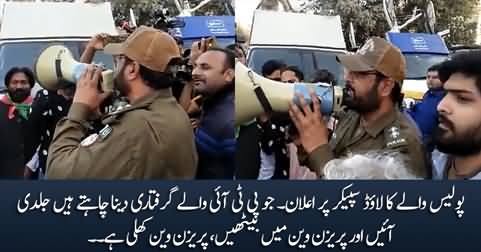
<point x="229" y="75"/>
<point x="133" y="70"/>
<point x="386" y="86"/>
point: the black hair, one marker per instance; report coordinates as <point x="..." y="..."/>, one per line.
<point x="271" y="66"/>
<point x="235" y="46"/>
<point x="299" y="74"/>
<point x="434" y="68"/>
<point x="324" y="76"/>
<point x="467" y="63"/>
<point x="396" y="93"/>
<point x="25" y="70"/>
<point x="229" y="56"/>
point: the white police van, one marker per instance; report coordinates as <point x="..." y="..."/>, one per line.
<point x="26" y="28"/>
<point x="310" y="42"/>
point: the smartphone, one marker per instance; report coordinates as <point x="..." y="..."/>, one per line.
<point x="210" y="42"/>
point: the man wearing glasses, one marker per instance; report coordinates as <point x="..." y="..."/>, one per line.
<point x="373" y="121"/>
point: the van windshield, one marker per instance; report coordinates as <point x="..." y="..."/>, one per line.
<point x="417" y="64"/>
<point x="25" y="54"/>
<point x="306" y="59"/>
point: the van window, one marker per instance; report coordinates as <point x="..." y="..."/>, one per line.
<point x="417" y="64"/>
<point x="26" y="53"/>
<point x="307" y="60"/>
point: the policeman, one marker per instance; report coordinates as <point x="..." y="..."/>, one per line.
<point x="373" y="121"/>
<point x="150" y="138"/>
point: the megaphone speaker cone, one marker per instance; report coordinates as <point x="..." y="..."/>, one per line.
<point x="56" y="63"/>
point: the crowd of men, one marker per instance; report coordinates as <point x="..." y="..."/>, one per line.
<point x="375" y="137"/>
<point x="139" y="131"/>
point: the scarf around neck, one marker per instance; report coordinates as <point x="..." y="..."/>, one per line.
<point x="23" y="108"/>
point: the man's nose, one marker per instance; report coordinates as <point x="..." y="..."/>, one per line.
<point x="443" y="106"/>
<point x="348" y="76"/>
<point x="196" y="71"/>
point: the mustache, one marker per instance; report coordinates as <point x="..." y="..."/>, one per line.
<point x="442" y="119"/>
<point x="348" y="85"/>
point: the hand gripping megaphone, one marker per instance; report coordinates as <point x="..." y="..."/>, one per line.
<point x="56" y="63"/>
<point x="254" y="93"/>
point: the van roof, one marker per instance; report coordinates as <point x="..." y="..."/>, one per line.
<point x="295" y="29"/>
<point x="55" y="19"/>
<point x="418" y="42"/>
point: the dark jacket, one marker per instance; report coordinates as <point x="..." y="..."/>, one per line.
<point x="12" y="147"/>
<point x="247" y="156"/>
<point x="215" y="137"/>
<point x="425" y="115"/>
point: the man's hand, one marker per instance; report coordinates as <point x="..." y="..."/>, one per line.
<point x="194" y="122"/>
<point x="197" y="49"/>
<point x="193" y="106"/>
<point x="312" y="129"/>
<point x="27" y="173"/>
<point x="87" y="89"/>
<point x="98" y="41"/>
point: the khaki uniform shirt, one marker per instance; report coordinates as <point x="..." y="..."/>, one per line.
<point x="151" y="139"/>
<point x="391" y="133"/>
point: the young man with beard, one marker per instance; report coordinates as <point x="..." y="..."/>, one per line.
<point x="213" y="77"/>
<point x="373" y="121"/>
<point x="14" y="110"/>
<point x="139" y="141"/>
<point x="459" y="130"/>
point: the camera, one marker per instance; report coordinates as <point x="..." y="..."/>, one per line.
<point x="164" y="22"/>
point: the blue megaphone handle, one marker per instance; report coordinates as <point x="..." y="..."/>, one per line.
<point x="78" y="70"/>
<point x="325" y="94"/>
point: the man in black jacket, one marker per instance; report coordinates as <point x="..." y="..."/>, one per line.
<point x="14" y="110"/>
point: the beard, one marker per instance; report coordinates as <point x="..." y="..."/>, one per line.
<point x="365" y="104"/>
<point x="121" y="84"/>
<point x="19" y="95"/>
<point x="460" y="144"/>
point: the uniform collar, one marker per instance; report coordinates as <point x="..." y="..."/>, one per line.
<point x="383" y="122"/>
<point x="149" y="99"/>
<point x="143" y="102"/>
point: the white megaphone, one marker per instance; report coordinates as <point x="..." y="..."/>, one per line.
<point x="248" y="103"/>
<point x="56" y="63"/>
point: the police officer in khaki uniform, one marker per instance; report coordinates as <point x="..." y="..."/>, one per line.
<point x="150" y="138"/>
<point x="373" y="121"/>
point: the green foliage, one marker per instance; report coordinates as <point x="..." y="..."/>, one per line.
<point x="145" y="10"/>
<point x="369" y="20"/>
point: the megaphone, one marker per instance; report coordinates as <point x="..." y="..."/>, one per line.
<point x="248" y="104"/>
<point x="56" y="63"/>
